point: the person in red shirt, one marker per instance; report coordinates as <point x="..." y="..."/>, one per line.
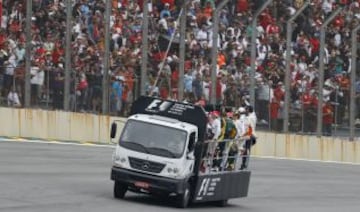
<point x="272" y="28"/>
<point x="315" y="45"/>
<point x="218" y="90"/>
<point x="57" y="53"/>
<point x="265" y="18"/>
<point x="274" y="114"/>
<point x="327" y="118"/>
<point x="3" y="39"/>
<point x="339" y="22"/>
<point x="170" y="2"/>
<point x="208" y="10"/>
<point x="164" y="92"/>
<point x="309" y="106"/>
<point x="306" y="100"/>
<point x="242" y="6"/>
<point x="279" y="93"/>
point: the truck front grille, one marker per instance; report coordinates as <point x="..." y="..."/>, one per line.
<point x="146" y="165"/>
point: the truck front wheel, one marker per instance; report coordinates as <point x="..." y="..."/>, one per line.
<point x="184" y="198"/>
<point x="119" y="190"/>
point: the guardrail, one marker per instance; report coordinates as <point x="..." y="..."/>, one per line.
<point x="68" y="126"/>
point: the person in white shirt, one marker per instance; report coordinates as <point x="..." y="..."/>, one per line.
<point x="206" y="89"/>
<point x="242" y="126"/>
<point x="13" y="99"/>
<point x="214" y="131"/>
<point x="327" y="7"/>
<point x="216" y="124"/>
<point x="241" y="123"/>
<point x="9" y="66"/>
<point x="37" y="81"/>
<point x="20" y="53"/>
<point x="251" y="118"/>
<point x="202" y="36"/>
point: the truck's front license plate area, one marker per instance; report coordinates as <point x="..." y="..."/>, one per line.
<point x="143" y="185"/>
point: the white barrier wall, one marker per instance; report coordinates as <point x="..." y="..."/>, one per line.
<point x="65" y="126"/>
<point x="307" y="147"/>
<point x="55" y="125"/>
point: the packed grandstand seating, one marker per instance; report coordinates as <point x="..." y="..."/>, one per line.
<point x="233" y="71"/>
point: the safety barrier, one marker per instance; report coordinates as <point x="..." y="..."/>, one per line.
<point x="55" y="125"/>
<point x="307" y="147"/>
<point x="67" y="126"/>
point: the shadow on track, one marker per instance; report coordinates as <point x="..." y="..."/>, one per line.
<point x="169" y="202"/>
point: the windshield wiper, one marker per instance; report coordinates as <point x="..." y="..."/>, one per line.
<point x="130" y="143"/>
<point x="166" y="151"/>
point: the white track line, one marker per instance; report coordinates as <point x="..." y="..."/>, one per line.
<point x="306" y="160"/>
<point x="58" y="143"/>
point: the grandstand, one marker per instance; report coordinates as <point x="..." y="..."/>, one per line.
<point x="233" y="70"/>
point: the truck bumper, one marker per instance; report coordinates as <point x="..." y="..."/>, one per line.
<point x="156" y="184"/>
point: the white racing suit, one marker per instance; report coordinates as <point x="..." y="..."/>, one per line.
<point x="242" y="125"/>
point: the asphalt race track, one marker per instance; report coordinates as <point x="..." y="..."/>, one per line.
<point x="36" y="177"/>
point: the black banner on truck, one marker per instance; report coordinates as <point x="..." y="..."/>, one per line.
<point x="184" y="112"/>
<point x="222" y="186"/>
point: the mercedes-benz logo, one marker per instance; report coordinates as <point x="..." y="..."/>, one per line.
<point x="146" y="165"/>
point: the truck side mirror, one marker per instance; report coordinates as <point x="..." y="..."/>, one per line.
<point x="113" y="130"/>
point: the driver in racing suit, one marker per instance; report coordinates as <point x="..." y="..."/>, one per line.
<point x="213" y="133"/>
<point x="250" y="134"/>
<point x="243" y="127"/>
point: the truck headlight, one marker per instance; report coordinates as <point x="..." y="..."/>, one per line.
<point x="118" y="159"/>
<point x="122" y="160"/>
<point x="176" y="170"/>
<point x="172" y="170"/>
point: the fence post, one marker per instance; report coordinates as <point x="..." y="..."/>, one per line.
<point x="214" y="50"/>
<point x="354" y="46"/>
<point x="321" y="69"/>
<point x="68" y="67"/>
<point x="106" y="68"/>
<point x="28" y="48"/>
<point x="182" y="53"/>
<point x="289" y="31"/>
<point x="144" y="48"/>
<point x="253" y="51"/>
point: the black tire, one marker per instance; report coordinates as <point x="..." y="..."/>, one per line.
<point x="222" y="203"/>
<point x="120" y="190"/>
<point x="183" y="199"/>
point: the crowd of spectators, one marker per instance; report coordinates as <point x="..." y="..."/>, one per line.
<point x="233" y="63"/>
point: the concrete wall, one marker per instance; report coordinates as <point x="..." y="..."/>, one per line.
<point x="59" y="125"/>
<point x="55" y="125"/>
<point x="307" y="147"/>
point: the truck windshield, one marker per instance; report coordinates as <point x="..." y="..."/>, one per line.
<point x="153" y="139"/>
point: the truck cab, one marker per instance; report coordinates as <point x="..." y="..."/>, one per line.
<point x="149" y="138"/>
<point x="159" y="151"/>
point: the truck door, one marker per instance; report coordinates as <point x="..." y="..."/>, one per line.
<point x="190" y="156"/>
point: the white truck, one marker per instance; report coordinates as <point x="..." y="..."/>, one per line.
<point x="160" y="151"/>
